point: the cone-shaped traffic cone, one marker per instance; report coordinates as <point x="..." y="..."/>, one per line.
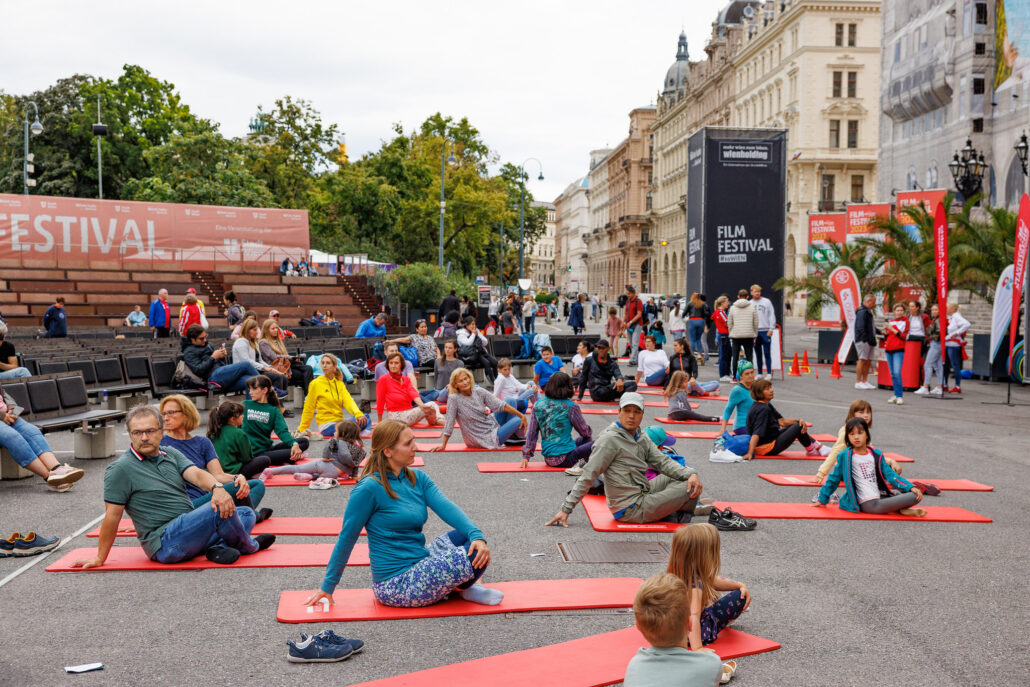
<point x="794" y="365"/>
<point x="835" y="370"/>
<point x="804" y="363"/>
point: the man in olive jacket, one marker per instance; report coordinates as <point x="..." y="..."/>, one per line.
<point x="622" y="453"/>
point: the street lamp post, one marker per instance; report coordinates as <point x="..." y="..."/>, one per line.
<point x="36" y="128"/>
<point x="443" y="203"/>
<point x="968" y="170"/>
<point x="522" y="212"/>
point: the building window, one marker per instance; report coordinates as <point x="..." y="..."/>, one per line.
<point x="835" y="133"/>
<point x="857" y="188"/>
<point x="978" y="85"/>
<point x="839" y="40"/>
<point x="967" y="18"/>
<point x="978" y="125"/>
<point x="837" y="84"/>
<point x="852" y="34"/>
<point x="852" y="84"/>
<point x="980" y="49"/>
<point x="897" y="51"/>
<point x="853" y="133"/>
<point x="981" y="17"/>
<point x="648" y="201"/>
<point x="828" y="189"/>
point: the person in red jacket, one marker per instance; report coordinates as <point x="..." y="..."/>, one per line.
<point x="189" y="315"/>
<point x="395" y="395"/>
<point x="894" y="346"/>
<point x="722" y="329"/>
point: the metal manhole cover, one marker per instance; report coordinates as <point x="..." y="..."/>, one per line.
<point x="614" y="552"/>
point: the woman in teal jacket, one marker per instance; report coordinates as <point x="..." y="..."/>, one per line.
<point x="870" y="485"/>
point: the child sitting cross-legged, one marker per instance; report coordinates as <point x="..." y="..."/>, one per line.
<point x="870" y="485"/>
<point x="661" y="608"/>
<point x="341" y="457"/>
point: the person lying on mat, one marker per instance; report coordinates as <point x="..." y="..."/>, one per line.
<point x="341" y="457"/>
<point x="859" y="408"/>
<point x="149" y="483"/>
<point x="395" y="395"/>
<point x="771" y="433"/>
<point x="468" y="404"/>
<point x="391" y="501"/>
<point x="622" y="454"/>
<point x="662" y="612"/>
<point x="263" y="415"/>
<point x="326" y="400"/>
<point x="683" y="360"/>
<point x="601" y="374"/>
<point x="653" y="363"/>
<point x="679" y="400"/>
<point x="740" y="400"/>
<point x="695" y="559"/>
<point x="180" y="418"/>
<point x="870" y="485"/>
<point x="553" y="419"/>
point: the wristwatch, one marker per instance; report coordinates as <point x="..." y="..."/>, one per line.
<point x="218" y="485"/>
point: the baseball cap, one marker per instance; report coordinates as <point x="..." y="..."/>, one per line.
<point x="273" y="313"/>
<point x="659" y="436"/>
<point x="602" y="343"/>
<point x="191" y="290"/>
<point x="631" y="398"/>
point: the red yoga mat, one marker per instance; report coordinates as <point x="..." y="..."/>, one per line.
<point x="667" y="421"/>
<point x="533" y="466"/>
<point x="593" y="661"/>
<point x="300" y="527"/>
<point x="942" y="484"/>
<point x="701" y="434"/>
<point x="289" y="481"/>
<point x="278" y="556"/>
<point x="526" y="595"/>
<point x="455" y="447"/>
<point x="806" y="511"/>
<point x="801" y="455"/>
<point x="599" y="410"/>
<point x="601" y="519"/>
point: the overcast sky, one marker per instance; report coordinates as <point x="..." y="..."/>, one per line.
<point x="550" y="80"/>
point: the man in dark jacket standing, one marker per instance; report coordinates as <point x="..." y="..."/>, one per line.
<point x="601" y="374"/>
<point x="210" y="365"/>
<point x="865" y="342"/>
<point x="450" y="302"/>
<point x="54" y="320"/>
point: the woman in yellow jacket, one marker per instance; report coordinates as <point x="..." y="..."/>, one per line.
<point x="326" y="399"/>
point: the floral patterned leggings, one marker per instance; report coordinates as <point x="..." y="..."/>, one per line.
<point x="720" y="614"/>
<point x="446" y="568"/>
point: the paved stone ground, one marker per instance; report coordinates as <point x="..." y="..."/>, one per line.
<point x="852" y="603"/>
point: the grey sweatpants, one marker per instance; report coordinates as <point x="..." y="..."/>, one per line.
<point x="934" y="364"/>
<point x="891" y="504"/>
<point x="665" y="498"/>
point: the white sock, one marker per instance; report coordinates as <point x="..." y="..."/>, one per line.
<point x="479" y="594"/>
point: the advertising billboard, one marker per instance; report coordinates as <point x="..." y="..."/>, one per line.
<point x="823" y="229"/>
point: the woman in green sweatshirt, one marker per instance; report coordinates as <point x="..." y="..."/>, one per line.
<point x="262" y="416"/>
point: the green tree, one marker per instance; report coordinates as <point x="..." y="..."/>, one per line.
<point x="353" y="211"/>
<point x="866" y="263"/>
<point x="982" y="249"/>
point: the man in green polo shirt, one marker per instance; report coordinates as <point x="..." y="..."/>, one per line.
<point x="147" y="483"/>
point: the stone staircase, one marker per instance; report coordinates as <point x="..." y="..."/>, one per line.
<point x="975" y="309"/>
<point x="210" y="288"/>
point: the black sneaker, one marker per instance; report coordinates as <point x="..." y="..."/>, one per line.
<point x="264" y="541"/>
<point x="287" y="412"/>
<point x="728" y="521"/>
<point x="262" y="515"/>
<point x="316" y="649"/>
<point x="223" y="555"/>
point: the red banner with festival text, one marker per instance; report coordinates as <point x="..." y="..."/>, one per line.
<point x="846" y="288"/>
<point x="860" y="216"/>
<point x="940" y="246"/>
<point x="929" y="199"/>
<point x="1019" y="271"/>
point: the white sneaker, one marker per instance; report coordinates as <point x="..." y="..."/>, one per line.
<point x="768" y="375"/>
<point x="867" y="385"/>
<point x="922" y="391"/>
<point x="575" y="471"/>
<point x="859" y="385"/>
<point x="937" y="391"/>
<point x="899" y="401"/>
<point x="323" y="483"/>
<point x="64" y="474"/>
<point x="725" y="378"/>
<point x="892" y="399"/>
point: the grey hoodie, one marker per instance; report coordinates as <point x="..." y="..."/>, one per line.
<point x="743" y="320"/>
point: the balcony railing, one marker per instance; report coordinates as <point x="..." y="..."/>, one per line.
<point x="831" y="206"/>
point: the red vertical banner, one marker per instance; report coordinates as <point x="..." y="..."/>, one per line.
<point x="940" y="246"/>
<point x="846" y="288"/>
<point x="1019" y="273"/>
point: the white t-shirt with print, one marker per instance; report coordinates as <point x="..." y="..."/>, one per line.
<point x="863" y="473"/>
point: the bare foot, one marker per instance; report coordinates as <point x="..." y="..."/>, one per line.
<point x="916" y="512"/>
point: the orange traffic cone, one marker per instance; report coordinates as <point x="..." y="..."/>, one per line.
<point x="794" y="371"/>
<point x="835" y="370"/>
<point x="804" y="363"/>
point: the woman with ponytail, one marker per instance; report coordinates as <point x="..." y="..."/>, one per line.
<point x="391" y="502"/>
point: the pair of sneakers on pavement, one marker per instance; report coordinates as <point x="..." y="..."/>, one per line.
<point x="30" y="544"/>
<point x="927" y="391"/>
<point x="325" y="647"/>
<point x="227" y="555"/>
<point x="864" y="385"/>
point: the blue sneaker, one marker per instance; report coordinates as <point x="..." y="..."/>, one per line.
<point x="29" y="545"/>
<point x="7" y="545"/>
<point x="317" y="650"/>
<point x="333" y="638"/>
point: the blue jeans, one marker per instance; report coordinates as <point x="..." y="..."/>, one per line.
<point x="234" y="377"/>
<point x="708" y="387"/>
<point x="508" y="424"/>
<point x="696" y="330"/>
<point x="429" y="395"/>
<point x="894" y="362"/>
<point x="953" y="365"/>
<point x="763" y="351"/>
<point x="656" y="379"/>
<point x="724" y="355"/>
<point x="257" y="492"/>
<point x="24" y="441"/>
<point x="193" y="533"/>
<point x="15" y="373"/>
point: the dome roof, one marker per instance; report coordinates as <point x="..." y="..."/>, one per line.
<point x="677" y="76"/>
<point x="733" y="13"/>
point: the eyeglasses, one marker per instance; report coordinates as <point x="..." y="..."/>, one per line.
<point x="141" y="433"/>
<point x="166" y="413"/>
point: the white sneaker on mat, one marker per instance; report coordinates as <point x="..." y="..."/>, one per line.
<point x="922" y="391"/>
<point x="892" y="399"/>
